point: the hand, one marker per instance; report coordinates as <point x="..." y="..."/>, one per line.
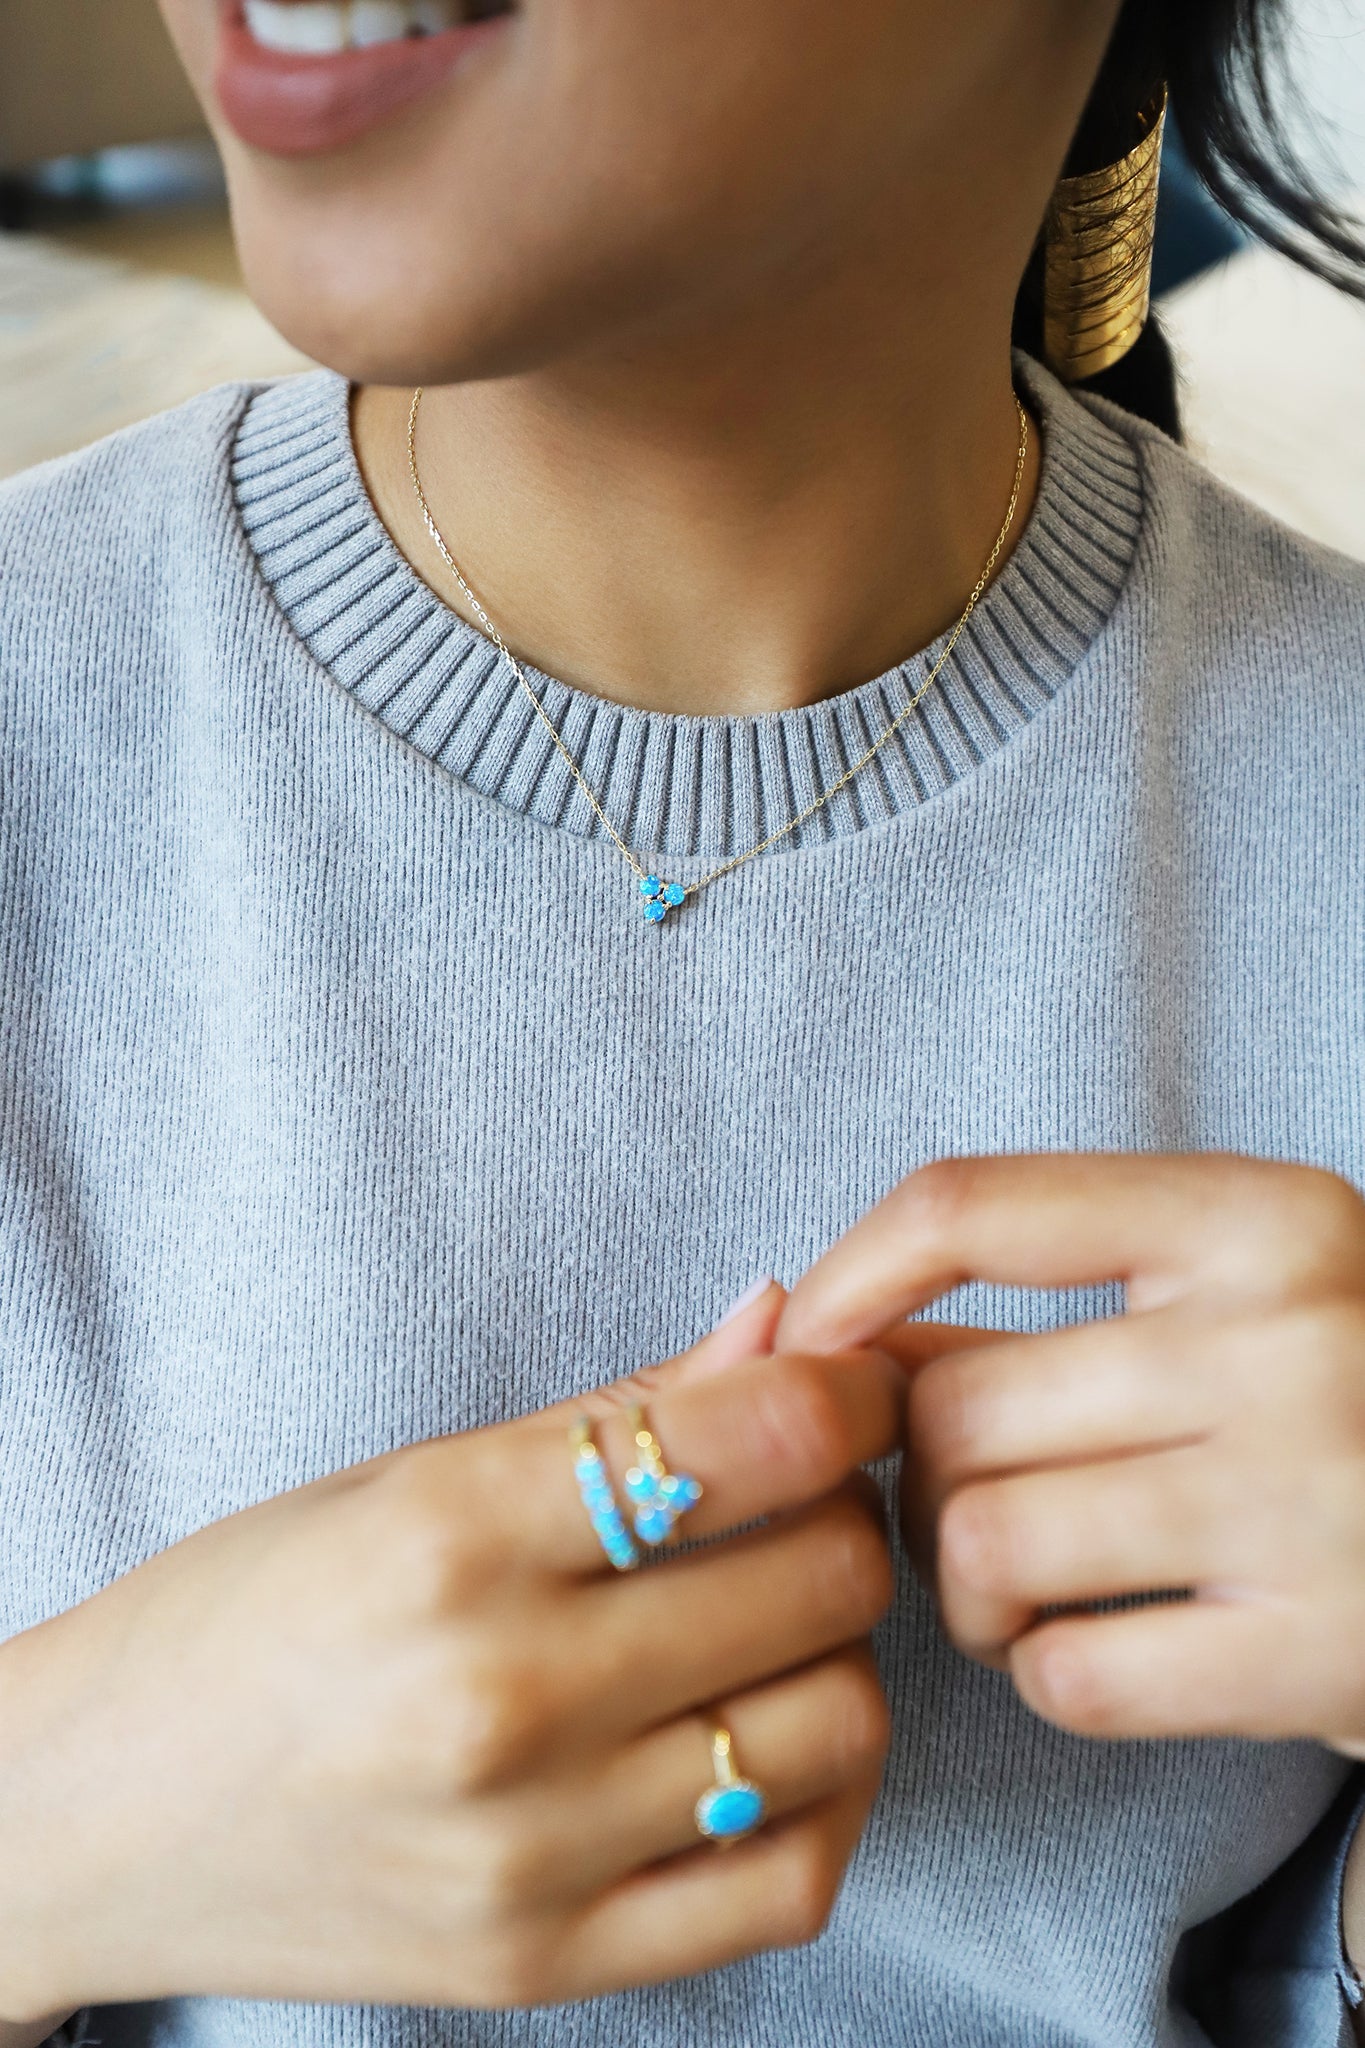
<point x="1212" y="1438"/>
<point x="403" y="1736"/>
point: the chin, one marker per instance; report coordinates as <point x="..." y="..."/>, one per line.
<point x="585" y="173"/>
<point x="385" y="310"/>
<point x="381" y="280"/>
<point x="408" y="337"/>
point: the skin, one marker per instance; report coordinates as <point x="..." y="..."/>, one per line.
<point x="712" y="299"/>
<point x="420" y="1738"/>
<point x="1211" y="1438"/>
<point x="688" y="419"/>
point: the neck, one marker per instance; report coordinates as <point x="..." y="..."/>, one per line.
<point x="747" y="520"/>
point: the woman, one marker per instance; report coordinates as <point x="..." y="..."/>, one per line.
<point x="987" y="778"/>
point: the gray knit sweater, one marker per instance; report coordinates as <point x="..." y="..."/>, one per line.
<point x="347" y="1099"/>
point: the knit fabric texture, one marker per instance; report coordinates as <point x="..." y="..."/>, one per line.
<point x="346" y="1099"/>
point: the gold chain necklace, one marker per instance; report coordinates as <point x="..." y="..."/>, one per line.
<point x="661" y="896"/>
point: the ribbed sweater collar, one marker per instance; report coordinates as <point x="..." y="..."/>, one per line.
<point x="703" y="787"/>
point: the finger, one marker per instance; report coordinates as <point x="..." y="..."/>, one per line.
<point x="1007" y="1547"/>
<point x="722" y="1619"/>
<point x="801" y="1738"/>
<point x="916" y="1343"/>
<point x="1161" y="1222"/>
<point x="711" y="1906"/>
<point x="1093" y="1390"/>
<point x="745" y="1331"/>
<point x="1203" y="1667"/>
<point x="766" y="1435"/>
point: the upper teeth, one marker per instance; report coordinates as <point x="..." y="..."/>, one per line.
<point x="319" y="28"/>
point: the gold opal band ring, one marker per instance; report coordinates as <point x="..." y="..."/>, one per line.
<point x="734" y="1806"/>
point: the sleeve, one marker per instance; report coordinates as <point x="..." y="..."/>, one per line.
<point x="1271" y="1970"/>
<point x="77" y="2032"/>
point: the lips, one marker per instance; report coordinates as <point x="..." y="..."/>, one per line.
<point x="305" y="102"/>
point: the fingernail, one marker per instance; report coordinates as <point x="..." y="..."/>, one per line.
<point x="747" y="1299"/>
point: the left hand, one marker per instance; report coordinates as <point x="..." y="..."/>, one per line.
<point x="1211" y="1438"/>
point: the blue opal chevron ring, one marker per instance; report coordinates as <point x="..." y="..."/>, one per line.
<point x="594" y="1485"/>
<point x="659" y="1497"/>
<point x="733" y="1806"/>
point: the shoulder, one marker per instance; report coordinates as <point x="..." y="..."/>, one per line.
<point x="134" y="528"/>
<point x="139" y="477"/>
<point x="1244" y="589"/>
<point x="1244" y="660"/>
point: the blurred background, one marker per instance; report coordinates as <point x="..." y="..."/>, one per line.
<point x="120" y="295"/>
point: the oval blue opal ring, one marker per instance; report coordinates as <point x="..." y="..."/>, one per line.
<point x="733" y="1806"/>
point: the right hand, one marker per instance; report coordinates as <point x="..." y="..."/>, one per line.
<point x="402" y="1735"/>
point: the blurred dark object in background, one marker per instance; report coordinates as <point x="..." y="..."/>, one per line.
<point x="76" y="77"/>
<point x="1192" y="230"/>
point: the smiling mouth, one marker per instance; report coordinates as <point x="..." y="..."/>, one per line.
<point x="326" y="28"/>
<point x="298" y="78"/>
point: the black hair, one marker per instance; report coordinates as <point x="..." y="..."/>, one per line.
<point x="1225" y="67"/>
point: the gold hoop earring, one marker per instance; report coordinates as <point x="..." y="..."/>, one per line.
<point x="1097" y="274"/>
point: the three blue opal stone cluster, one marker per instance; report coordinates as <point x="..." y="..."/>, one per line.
<point x="661" y="897"/>
<point x="659" y="1499"/>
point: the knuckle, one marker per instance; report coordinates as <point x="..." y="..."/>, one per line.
<point x="1325" y="1340"/>
<point x="1320" y="1219"/>
<point x="860" y="1718"/>
<point x="851" y="1565"/>
<point x="801" y="1425"/>
<point x="947" y="1407"/>
<point x="956" y="1619"/>
<point x="980" y="1541"/>
<point x="947" y="1183"/>
<point x="514" y="1874"/>
<point x="478" y="1732"/>
<point x="500" y="1726"/>
<point x="943" y="1190"/>
<point x="1334" y="1526"/>
<point x="1069" y="1687"/>
<point x="1333" y="1201"/>
<point x="810" y="1886"/>
<point x="431" y="1557"/>
<point x="1336" y="1331"/>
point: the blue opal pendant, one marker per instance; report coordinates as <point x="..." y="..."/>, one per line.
<point x="659" y="1497"/>
<point x="660" y="897"/>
